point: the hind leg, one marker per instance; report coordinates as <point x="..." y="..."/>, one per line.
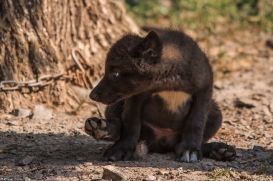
<point x="216" y="150"/>
<point x="214" y="122"/>
<point x="106" y="129"/>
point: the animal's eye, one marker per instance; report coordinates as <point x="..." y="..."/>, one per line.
<point x="115" y="74"/>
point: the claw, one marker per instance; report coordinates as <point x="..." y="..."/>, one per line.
<point x="87" y="126"/>
<point x="216" y="155"/>
<point x="185" y="157"/>
<point x="193" y="157"/>
<point x="103" y="124"/>
<point x="229" y="154"/>
<point x="93" y="124"/>
<point x="222" y="151"/>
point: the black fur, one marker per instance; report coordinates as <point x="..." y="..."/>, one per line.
<point x="138" y="73"/>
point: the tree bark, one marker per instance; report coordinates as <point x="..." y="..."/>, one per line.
<point x="37" y="37"/>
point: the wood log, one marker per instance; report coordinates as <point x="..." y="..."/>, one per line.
<point x="38" y="37"/>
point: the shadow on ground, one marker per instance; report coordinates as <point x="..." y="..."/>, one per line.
<point x="59" y="150"/>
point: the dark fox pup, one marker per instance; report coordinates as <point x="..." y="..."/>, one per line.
<point x="159" y="90"/>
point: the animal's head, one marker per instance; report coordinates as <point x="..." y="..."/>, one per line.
<point x="125" y="68"/>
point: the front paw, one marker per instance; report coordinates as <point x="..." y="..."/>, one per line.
<point x="121" y="150"/>
<point x="97" y="128"/>
<point x="188" y="153"/>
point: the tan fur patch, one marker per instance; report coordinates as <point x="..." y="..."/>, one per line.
<point x="170" y="52"/>
<point x="174" y="99"/>
<point x="161" y="132"/>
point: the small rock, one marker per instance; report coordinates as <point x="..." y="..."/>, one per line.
<point x="24" y="176"/>
<point x="271" y="106"/>
<point x="5" y="116"/>
<point x="209" y="167"/>
<point x="38" y="176"/>
<point x="26" y="160"/>
<point x="88" y="164"/>
<point x="81" y="120"/>
<point x="76" y="132"/>
<point x="258" y="148"/>
<point x="28" y="145"/>
<point x="228" y="122"/>
<point x="26" y="167"/>
<point x="159" y="172"/>
<point x="24" y="112"/>
<point x="151" y="177"/>
<point x="222" y="164"/>
<point x="111" y="172"/>
<point x="56" y="172"/>
<point x="250" y="137"/>
<point x="218" y="84"/>
<point x="244" y="175"/>
<point x="3" y="155"/>
<point x="261" y="156"/>
<point x="180" y="168"/>
<point x="13" y="123"/>
<point x="239" y="154"/>
<point x="39" y="143"/>
<point x="266" y="111"/>
<point x="20" y="169"/>
<point x="269" y="43"/>
<point x="241" y="104"/>
<point x="81" y="158"/>
<point x="40" y="112"/>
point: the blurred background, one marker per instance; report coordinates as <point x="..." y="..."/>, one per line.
<point x="226" y="30"/>
<point x="208" y="15"/>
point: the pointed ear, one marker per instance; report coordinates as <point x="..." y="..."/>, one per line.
<point x="150" y="48"/>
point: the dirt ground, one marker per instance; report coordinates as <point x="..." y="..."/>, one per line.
<point x="59" y="149"/>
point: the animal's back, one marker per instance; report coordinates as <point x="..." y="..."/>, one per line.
<point x="169" y="108"/>
<point x="178" y="43"/>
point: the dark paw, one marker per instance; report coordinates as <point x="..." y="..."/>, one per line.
<point x="119" y="151"/>
<point x="188" y="155"/>
<point x="97" y="128"/>
<point x="220" y="151"/>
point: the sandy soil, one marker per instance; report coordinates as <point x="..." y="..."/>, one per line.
<point x="58" y="148"/>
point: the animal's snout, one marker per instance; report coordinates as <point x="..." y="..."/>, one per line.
<point x="103" y="93"/>
<point x="94" y="96"/>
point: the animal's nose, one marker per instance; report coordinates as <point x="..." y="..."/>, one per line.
<point x="94" y="96"/>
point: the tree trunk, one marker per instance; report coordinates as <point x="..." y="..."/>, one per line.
<point x="43" y="38"/>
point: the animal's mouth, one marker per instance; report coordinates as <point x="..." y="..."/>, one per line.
<point x="113" y="100"/>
